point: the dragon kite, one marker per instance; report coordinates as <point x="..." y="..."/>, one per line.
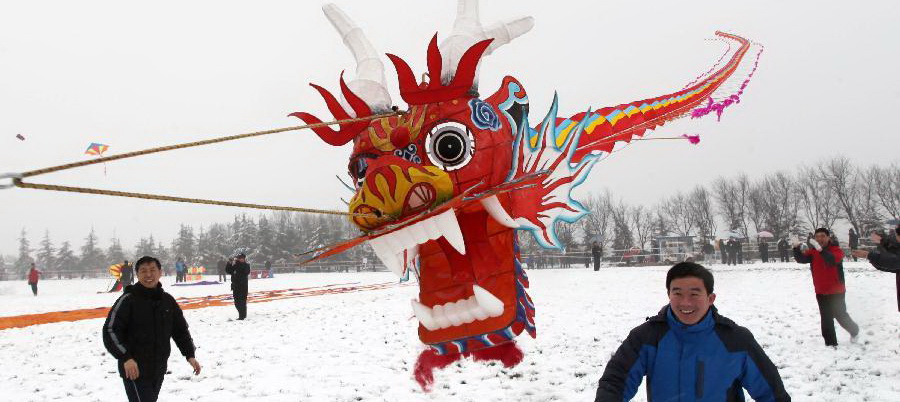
<point x="447" y="184"/>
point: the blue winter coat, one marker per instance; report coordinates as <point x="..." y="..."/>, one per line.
<point x="709" y="361"/>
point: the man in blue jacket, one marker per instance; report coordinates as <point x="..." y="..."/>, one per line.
<point x="689" y="352"/>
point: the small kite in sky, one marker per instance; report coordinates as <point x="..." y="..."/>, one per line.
<point x="96" y="149"/>
<point x="20" y="137"/>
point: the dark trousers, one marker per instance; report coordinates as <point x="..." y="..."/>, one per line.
<point x="732" y="259"/>
<point x="784" y="256"/>
<point x="222" y="277"/>
<point x="33" y="288"/>
<point x="596" y="262"/>
<point x="833" y="307"/>
<point x="764" y="255"/>
<point x="240" y="303"/>
<point x="144" y="389"/>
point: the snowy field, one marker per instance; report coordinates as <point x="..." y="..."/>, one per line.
<point x="362" y="346"/>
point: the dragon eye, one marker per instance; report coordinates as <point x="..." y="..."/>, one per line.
<point x="450" y="145"/>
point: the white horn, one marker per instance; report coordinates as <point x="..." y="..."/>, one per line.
<point x="369" y="83"/>
<point x="467" y="30"/>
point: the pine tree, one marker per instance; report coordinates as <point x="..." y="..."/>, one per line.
<point x="3" y="273"/>
<point x="218" y="240"/>
<point x="23" y="263"/>
<point x="115" y="253"/>
<point x="92" y="258"/>
<point x="162" y="254"/>
<point x="46" y="259"/>
<point x="266" y="240"/>
<point x="183" y="245"/>
<point x="65" y="259"/>
<point x="144" y="247"/>
<point x="205" y="251"/>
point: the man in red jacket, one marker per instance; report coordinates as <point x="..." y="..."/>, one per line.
<point x="828" y="279"/>
<point x="33" y="276"/>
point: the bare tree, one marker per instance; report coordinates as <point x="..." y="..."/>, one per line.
<point x="756" y="205"/>
<point x="680" y="212"/>
<point x="816" y="198"/>
<point x="724" y="193"/>
<point x="869" y="207"/>
<point x="886" y="186"/>
<point x="702" y="211"/>
<point x="642" y="225"/>
<point x="597" y="224"/>
<point x="780" y="202"/>
<point x="622" y="235"/>
<point x="843" y="178"/>
<point x="733" y="198"/>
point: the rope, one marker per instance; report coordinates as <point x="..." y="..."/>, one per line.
<point x="199" y="143"/>
<point x="17" y="178"/>
<point x="51" y="187"/>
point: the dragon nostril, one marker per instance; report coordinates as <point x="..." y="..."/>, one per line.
<point x="377" y="212"/>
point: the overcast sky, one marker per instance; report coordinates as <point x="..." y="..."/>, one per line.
<point x="135" y="76"/>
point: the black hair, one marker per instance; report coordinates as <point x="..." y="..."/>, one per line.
<point x="823" y="230"/>
<point x="690" y="269"/>
<point x="144" y="260"/>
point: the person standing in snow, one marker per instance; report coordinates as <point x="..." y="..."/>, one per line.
<point x="596" y="254"/>
<point x="723" y="251"/>
<point x="34" y="275"/>
<point x="689" y="352"/>
<point x="220" y="268"/>
<point x="783" y="249"/>
<point x="127" y="277"/>
<point x="886" y="256"/>
<point x="240" y="273"/>
<point x="732" y="251"/>
<point x="827" y="270"/>
<point x="853" y="242"/>
<point x="180" y="269"/>
<point x="763" y="250"/>
<point x="138" y="331"/>
<point x="739" y="251"/>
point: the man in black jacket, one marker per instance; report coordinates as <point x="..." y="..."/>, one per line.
<point x="853" y="240"/>
<point x="138" y="330"/>
<point x="240" y="273"/>
<point x="763" y="250"/>
<point x="886" y="257"/>
<point x="220" y="267"/>
<point x="783" y="249"/>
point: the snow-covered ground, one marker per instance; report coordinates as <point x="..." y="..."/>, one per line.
<point x="363" y="345"/>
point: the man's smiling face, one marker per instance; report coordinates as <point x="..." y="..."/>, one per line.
<point x="689" y="299"/>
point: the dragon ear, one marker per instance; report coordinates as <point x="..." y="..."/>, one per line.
<point x="512" y="101"/>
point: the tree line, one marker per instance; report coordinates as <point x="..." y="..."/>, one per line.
<point x="784" y="203"/>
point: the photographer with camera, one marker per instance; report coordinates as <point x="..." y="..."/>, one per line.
<point x="886" y="256"/>
<point x="240" y="276"/>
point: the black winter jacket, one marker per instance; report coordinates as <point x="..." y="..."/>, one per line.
<point x="240" y="273"/>
<point x="887" y="258"/>
<point x="139" y="327"/>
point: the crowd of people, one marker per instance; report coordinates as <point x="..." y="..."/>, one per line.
<point x="687" y="350"/>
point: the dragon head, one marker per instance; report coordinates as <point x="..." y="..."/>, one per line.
<point x="441" y="189"/>
<point x="430" y="181"/>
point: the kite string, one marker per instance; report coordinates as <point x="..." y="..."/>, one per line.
<point x="199" y="143"/>
<point x="17" y="177"/>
